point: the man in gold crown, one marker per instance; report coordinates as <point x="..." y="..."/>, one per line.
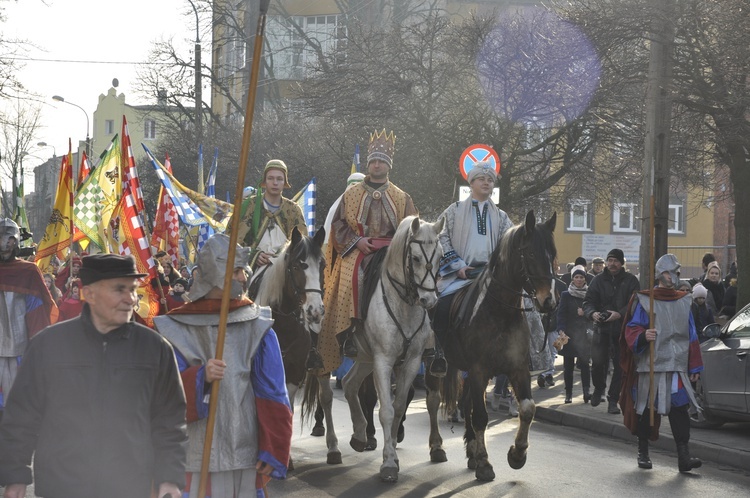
<point x="268" y="219"/>
<point x="368" y="215"/>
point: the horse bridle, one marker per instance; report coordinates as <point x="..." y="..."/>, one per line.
<point x="409" y="293"/>
<point x="299" y="292"/>
<point x="528" y="289"/>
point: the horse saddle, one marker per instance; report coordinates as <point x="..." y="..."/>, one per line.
<point x="463" y="302"/>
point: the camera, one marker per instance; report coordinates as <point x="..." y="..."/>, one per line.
<point x="604" y="316"/>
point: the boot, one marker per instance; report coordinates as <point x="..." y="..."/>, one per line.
<point x="684" y="462"/>
<point x="314" y="360"/>
<point x="586" y="395"/>
<point x="568" y="396"/>
<point x="349" y="347"/>
<point x="612" y="407"/>
<point x="644" y="462"/>
<point x="596" y="399"/>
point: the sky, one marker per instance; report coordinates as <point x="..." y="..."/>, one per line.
<point x="112" y="35"/>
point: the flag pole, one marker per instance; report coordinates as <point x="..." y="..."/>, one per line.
<point x="235" y="224"/>
<point x="651" y="314"/>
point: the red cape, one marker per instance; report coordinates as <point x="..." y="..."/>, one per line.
<point x="24" y="277"/>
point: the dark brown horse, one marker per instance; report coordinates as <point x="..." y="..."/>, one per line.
<point x="292" y="286"/>
<point x="494" y="337"/>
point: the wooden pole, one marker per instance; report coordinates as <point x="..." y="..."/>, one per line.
<point x="235" y="224"/>
<point x="651" y="322"/>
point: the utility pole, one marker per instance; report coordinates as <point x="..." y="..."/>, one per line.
<point x="198" y="97"/>
<point x="657" y="157"/>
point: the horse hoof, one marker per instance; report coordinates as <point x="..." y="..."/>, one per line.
<point x="514" y="461"/>
<point x="334" y="458"/>
<point x="389" y="474"/>
<point x="290" y="466"/>
<point x="485" y="473"/>
<point x="471" y="463"/>
<point x="372" y="444"/>
<point x="357" y="445"/>
<point x="318" y="431"/>
<point x="438" y="456"/>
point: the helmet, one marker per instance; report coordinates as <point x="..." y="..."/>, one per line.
<point x="668" y="263"/>
<point x="9" y="227"/>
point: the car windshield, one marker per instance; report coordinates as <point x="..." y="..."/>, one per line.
<point x="740" y="324"/>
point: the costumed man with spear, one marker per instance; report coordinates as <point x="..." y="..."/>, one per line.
<point x="254" y="419"/>
<point x="673" y="363"/>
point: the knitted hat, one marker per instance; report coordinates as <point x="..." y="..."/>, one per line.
<point x="279" y="165"/>
<point x="617" y="254"/>
<point x="699" y="291"/>
<point x="713" y="264"/>
<point x="577" y="270"/>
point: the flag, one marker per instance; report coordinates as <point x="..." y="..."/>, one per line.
<point x="205" y="230"/>
<point x="133" y="242"/>
<point x="193" y="208"/>
<point x="166" y="233"/>
<point x="99" y="195"/>
<point x="130" y="171"/>
<point x="57" y="236"/>
<point x="306" y="200"/>
<point x="355" y="160"/>
<point x="83" y="171"/>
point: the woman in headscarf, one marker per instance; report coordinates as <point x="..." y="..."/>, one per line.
<point x="572" y="322"/>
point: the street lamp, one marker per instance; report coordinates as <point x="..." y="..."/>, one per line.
<point x="88" y="142"/>
<point x="45" y="144"/>
<point x="198" y="94"/>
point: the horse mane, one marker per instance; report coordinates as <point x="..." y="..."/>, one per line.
<point x="271" y="289"/>
<point x="394" y="257"/>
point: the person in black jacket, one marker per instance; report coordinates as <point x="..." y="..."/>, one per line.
<point x="98" y="401"/>
<point x="605" y="304"/>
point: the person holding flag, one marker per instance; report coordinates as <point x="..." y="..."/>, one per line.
<point x="268" y="218"/>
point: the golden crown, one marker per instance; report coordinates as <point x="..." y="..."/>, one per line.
<point x="382" y="146"/>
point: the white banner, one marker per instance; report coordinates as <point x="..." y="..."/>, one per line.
<point x="595" y="245"/>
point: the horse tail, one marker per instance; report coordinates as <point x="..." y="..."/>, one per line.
<point x="450" y="389"/>
<point x="309" y="398"/>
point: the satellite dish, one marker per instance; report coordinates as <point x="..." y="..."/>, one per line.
<point x="115" y="82"/>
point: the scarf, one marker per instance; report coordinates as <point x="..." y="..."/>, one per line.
<point x="579" y="292"/>
<point x="462" y="223"/>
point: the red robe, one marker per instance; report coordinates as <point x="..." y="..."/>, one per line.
<point x="24" y="277"/>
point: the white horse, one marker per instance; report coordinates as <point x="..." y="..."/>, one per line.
<point x="396" y="330"/>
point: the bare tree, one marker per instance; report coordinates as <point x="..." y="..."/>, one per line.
<point x="17" y="134"/>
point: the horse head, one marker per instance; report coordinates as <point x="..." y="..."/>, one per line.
<point x="417" y="250"/>
<point x="537" y="254"/>
<point x="304" y="262"/>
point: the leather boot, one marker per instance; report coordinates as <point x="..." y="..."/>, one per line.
<point x="684" y="462"/>
<point x="568" y="396"/>
<point x="314" y="360"/>
<point x="586" y="395"/>
<point x="644" y="462"/>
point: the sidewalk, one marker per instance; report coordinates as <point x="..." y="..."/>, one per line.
<point x="727" y="445"/>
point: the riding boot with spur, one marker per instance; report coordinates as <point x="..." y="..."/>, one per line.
<point x="349" y="347"/>
<point x="314" y="360"/>
<point x="644" y="462"/>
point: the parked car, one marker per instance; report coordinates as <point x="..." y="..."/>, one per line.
<point x="723" y="390"/>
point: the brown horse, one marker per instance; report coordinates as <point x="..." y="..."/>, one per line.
<point x="292" y="286"/>
<point x="494" y="338"/>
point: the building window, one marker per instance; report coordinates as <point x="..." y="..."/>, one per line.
<point x="109" y="126"/>
<point x="291" y="55"/>
<point x="149" y="130"/>
<point x="676" y="221"/>
<point x="625" y="217"/>
<point x="579" y="216"/>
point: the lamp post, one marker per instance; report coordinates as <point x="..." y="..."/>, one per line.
<point x="45" y="144"/>
<point x="88" y="142"/>
<point x="198" y="95"/>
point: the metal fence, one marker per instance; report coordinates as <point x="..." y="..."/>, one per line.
<point x="690" y="258"/>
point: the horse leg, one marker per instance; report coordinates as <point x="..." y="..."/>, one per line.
<point x="368" y="398"/>
<point x="409" y="396"/>
<point x="326" y="400"/>
<point x="437" y="453"/>
<point x="351" y="384"/>
<point x="318" y="429"/>
<point x="382" y="377"/>
<point x="478" y="385"/>
<point x="526" y="408"/>
<point x="470" y="437"/>
<point x="292" y="390"/>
